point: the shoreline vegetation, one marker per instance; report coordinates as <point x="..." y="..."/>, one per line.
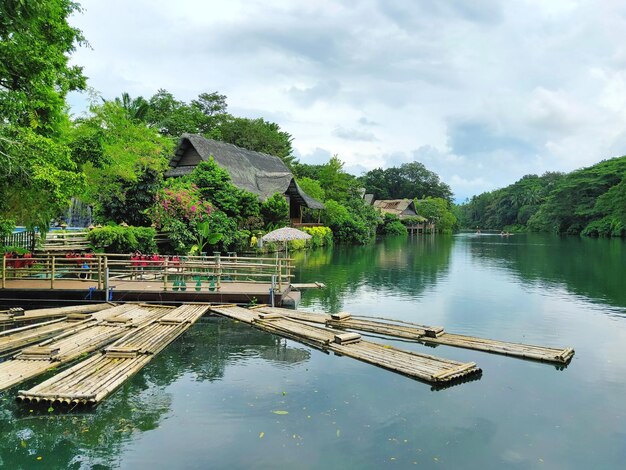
<point x="590" y="202"/>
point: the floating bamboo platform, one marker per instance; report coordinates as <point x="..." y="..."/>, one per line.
<point x="84" y="338"/>
<point x="426" y="334"/>
<point x="20" y="337"/>
<point x="11" y="317"/>
<point x="91" y="381"/>
<point x="421" y="366"/>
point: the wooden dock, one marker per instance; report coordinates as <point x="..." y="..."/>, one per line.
<point x="124" y="278"/>
<point x="420" y="366"/>
<point x="82" y="339"/>
<point x="427" y="334"/>
<point x="91" y="381"/>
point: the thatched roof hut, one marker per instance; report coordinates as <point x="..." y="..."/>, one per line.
<point x="259" y="173"/>
<point x="400" y="207"/>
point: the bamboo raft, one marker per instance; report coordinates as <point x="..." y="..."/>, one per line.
<point x="84" y="338"/>
<point x="13" y="316"/>
<point x="421" y="366"/>
<point x="426" y="334"/>
<point x="14" y="339"/>
<point x="91" y="381"/>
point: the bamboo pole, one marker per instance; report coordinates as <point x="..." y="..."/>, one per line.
<point x="4" y="271"/>
<point x="165" y="275"/>
<point x="52" y="272"/>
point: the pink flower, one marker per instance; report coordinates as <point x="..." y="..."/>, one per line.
<point x="193" y="208"/>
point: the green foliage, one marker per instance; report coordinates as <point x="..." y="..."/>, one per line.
<point x="409" y="181"/>
<point x="591" y="201"/>
<point x="38" y="179"/>
<point x="6" y="226"/>
<point x="35" y="43"/>
<point x="437" y="210"/>
<point x="205" y="237"/>
<point x="275" y="210"/>
<point x="514" y="205"/>
<point x="215" y="186"/>
<point x="320" y="236"/>
<point x="392" y="226"/>
<point x="348" y="225"/>
<point x="608" y="226"/>
<point x="572" y="204"/>
<point x="132" y="204"/>
<point x="123" y="162"/>
<point x="312" y="187"/>
<point x="120" y="239"/>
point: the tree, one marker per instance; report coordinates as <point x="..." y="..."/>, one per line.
<point x="38" y="176"/>
<point x="313" y="188"/>
<point x="258" y="135"/>
<point x="408" y="181"/>
<point x="35" y="43"/>
<point x="124" y="162"/>
<point x="275" y="211"/>
<point x="136" y="108"/>
<point x="173" y="117"/>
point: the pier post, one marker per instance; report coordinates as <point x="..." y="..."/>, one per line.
<point x="165" y="274"/>
<point x="52" y="266"/>
<point x="280" y="274"/>
<point x="99" y="258"/>
<point x="4" y="271"/>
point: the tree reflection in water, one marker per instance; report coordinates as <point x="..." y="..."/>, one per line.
<point x="96" y="438"/>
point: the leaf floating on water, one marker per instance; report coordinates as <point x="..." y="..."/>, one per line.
<point x="338" y="433"/>
<point x="23" y="444"/>
<point x="50" y="410"/>
<point x="261" y="434"/>
<point x="280" y="412"/>
<point x="39" y="457"/>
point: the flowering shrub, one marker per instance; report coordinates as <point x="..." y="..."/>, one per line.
<point x="182" y="203"/>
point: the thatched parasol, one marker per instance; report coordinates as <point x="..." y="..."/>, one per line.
<point x="285" y="234"/>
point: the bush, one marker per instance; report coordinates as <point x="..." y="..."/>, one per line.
<point x="392" y="226"/>
<point x="608" y="226"/>
<point x="120" y="239"/>
<point x="347" y="226"/>
<point x="320" y="236"/>
<point x="275" y="211"/>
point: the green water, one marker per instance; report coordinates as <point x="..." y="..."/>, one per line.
<point x="208" y="401"/>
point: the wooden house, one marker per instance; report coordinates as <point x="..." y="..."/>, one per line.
<point x="259" y="173"/>
<point x="405" y="209"/>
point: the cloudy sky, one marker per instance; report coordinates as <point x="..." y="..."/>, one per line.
<point x="481" y="92"/>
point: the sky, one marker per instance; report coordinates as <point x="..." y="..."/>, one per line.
<point x="481" y="92"/>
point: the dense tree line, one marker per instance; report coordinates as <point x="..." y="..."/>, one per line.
<point x="589" y="201"/>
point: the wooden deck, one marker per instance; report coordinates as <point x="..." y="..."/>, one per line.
<point x="117" y="277"/>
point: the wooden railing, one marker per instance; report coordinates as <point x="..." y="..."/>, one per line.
<point x="175" y="273"/>
<point x="25" y="240"/>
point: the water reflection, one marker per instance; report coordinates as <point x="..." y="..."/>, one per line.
<point x="97" y="438"/>
<point x="389" y="267"/>
<point x="592" y="268"/>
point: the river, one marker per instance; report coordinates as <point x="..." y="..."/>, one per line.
<point x="227" y="396"/>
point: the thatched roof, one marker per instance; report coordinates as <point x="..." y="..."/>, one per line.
<point x="257" y="172"/>
<point x="400" y="207"/>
